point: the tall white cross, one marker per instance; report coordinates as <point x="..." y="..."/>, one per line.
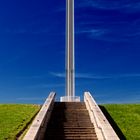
<point x="70" y="74"/>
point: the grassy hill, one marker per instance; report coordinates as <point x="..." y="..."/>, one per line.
<point x="126" y="117"/>
<point x="123" y="117"/>
<point x="14" y="118"/>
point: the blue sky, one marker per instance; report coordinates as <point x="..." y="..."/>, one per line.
<point x="107" y="50"/>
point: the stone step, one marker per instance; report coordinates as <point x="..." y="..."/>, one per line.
<point x="71" y="133"/>
<point x="70" y="121"/>
<point x="69" y="125"/>
<point x="74" y="128"/>
<point x="70" y="138"/>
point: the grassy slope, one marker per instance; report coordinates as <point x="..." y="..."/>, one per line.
<point x="127" y="117"/>
<point x="13" y="118"/>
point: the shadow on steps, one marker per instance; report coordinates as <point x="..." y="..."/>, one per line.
<point x="113" y="123"/>
<point x="70" y="121"/>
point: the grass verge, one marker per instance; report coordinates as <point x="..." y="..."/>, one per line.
<point x="14" y="118"/>
<point x="126" y="117"/>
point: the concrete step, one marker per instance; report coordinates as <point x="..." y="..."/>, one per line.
<point x="81" y="133"/>
<point x="70" y="138"/>
<point x="70" y="121"/>
<point x="69" y="125"/>
<point x="74" y="128"/>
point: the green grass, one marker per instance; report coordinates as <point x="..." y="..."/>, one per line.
<point x="13" y="118"/>
<point x="127" y="117"/>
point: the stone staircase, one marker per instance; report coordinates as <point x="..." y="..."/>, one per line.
<point x="70" y="121"/>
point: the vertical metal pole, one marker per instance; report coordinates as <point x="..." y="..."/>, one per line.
<point x="70" y="81"/>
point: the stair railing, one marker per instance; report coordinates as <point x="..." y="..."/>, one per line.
<point x="98" y="118"/>
<point x="38" y="126"/>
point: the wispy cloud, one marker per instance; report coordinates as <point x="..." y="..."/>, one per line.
<point x="104" y="26"/>
<point x="109" y="97"/>
<point x="61" y="75"/>
<point x="92" y="32"/>
<point x="47" y="86"/>
<point x="123" y="99"/>
<point x="98" y="29"/>
<point x="25" y="30"/>
<point x="81" y="76"/>
<point x="135" y="34"/>
<point x="91" y="76"/>
<point x="31" y="98"/>
<point x="107" y="33"/>
<point x="36" y="76"/>
<point x="97" y="76"/>
<point x="129" y="75"/>
<point x="126" y="6"/>
<point x="97" y="4"/>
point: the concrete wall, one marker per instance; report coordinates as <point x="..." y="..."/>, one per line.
<point x="38" y="126"/>
<point x="103" y="128"/>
